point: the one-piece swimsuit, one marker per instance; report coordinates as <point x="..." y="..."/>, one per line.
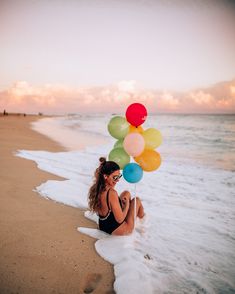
<point x="108" y="223"/>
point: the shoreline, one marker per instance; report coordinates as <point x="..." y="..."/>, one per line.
<point x="41" y="250"/>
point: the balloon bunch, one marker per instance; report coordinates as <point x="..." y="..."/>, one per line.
<point x="133" y="140"/>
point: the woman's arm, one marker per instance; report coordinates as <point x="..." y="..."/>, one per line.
<point x="119" y="213"/>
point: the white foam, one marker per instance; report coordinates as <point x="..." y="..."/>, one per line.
<point x="186" y="241"/>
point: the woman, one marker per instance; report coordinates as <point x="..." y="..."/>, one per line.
<point x="116" y="215"/>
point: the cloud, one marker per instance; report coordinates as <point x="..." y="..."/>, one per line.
<point x="232" y="89"/>
<point x="201" y="98"/>
<point x="169" y="101"/>
<point x="56" y="98"/>
<point x="127" y="86"/>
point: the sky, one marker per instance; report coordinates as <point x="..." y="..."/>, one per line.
<point x="51" y="50"/>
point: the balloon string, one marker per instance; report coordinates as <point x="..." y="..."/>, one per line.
<point x="135" y="206"/>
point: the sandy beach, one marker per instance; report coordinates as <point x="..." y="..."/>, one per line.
<point x="41" y="250"/>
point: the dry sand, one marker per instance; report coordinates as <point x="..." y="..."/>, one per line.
<point x="40" y="248"/>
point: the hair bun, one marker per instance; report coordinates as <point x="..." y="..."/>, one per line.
<point x="102" y="160"/>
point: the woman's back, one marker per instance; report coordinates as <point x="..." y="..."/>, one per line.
<point x="104" y="204"/>
<point x="107" y="221"/>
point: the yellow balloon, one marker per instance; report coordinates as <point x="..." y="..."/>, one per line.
<point x="152" y="138"/>
<point x="149" y="160"/>
<point x="133" y="129"/>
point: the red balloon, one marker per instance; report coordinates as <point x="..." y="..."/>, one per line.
<point x="136" y="114"/>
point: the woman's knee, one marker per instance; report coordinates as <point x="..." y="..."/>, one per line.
<point x="125" y="193"/>
<point x="137" y="200"/>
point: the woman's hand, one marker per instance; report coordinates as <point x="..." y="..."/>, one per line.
<point x="125" y="199"/>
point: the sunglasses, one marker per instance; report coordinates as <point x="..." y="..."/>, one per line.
<point x="116" y="178"/>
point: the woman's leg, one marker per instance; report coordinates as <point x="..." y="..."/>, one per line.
<point x="131" y="212"/>
<point x="128" y="225"/>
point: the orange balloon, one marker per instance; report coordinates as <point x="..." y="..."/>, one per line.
<point x="149" y="160"/>
<point x="133" y="129"/>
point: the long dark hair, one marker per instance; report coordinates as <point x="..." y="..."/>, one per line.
<point x="105" y="168"/>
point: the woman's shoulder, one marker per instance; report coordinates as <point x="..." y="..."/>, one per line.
<point x="113" y="193"/>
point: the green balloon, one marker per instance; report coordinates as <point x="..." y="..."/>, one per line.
<point x="118" y="127"/>
<point x="119" y="156"/>
<point x="119" y="143"/>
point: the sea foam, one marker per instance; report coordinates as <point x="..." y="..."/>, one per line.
<point x="185" y="243"/>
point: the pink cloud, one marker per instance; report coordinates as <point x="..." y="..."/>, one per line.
<point x="23" y="97"/>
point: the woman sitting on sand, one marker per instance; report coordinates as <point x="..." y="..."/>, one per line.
<point x="116" y="214"/>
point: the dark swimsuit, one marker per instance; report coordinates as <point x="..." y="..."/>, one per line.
<point x="108" y="223"/>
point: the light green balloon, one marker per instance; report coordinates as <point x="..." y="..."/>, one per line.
<point x="118" y="127"/>
<point x="119" y="143"/>
<point x="119" y="156"/>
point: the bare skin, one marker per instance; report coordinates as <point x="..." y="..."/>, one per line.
<point x="124" y="213"/>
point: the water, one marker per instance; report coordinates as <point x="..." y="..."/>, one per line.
<point x="186" y="242"/>
<point x="206" y="139"/>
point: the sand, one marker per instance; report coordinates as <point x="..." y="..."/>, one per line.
<point x="40" y="248"/>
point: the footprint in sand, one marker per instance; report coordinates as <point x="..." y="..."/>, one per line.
<point x="91" y="282"/>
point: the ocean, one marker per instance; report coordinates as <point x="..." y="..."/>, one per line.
<point x="186" y="241"/>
